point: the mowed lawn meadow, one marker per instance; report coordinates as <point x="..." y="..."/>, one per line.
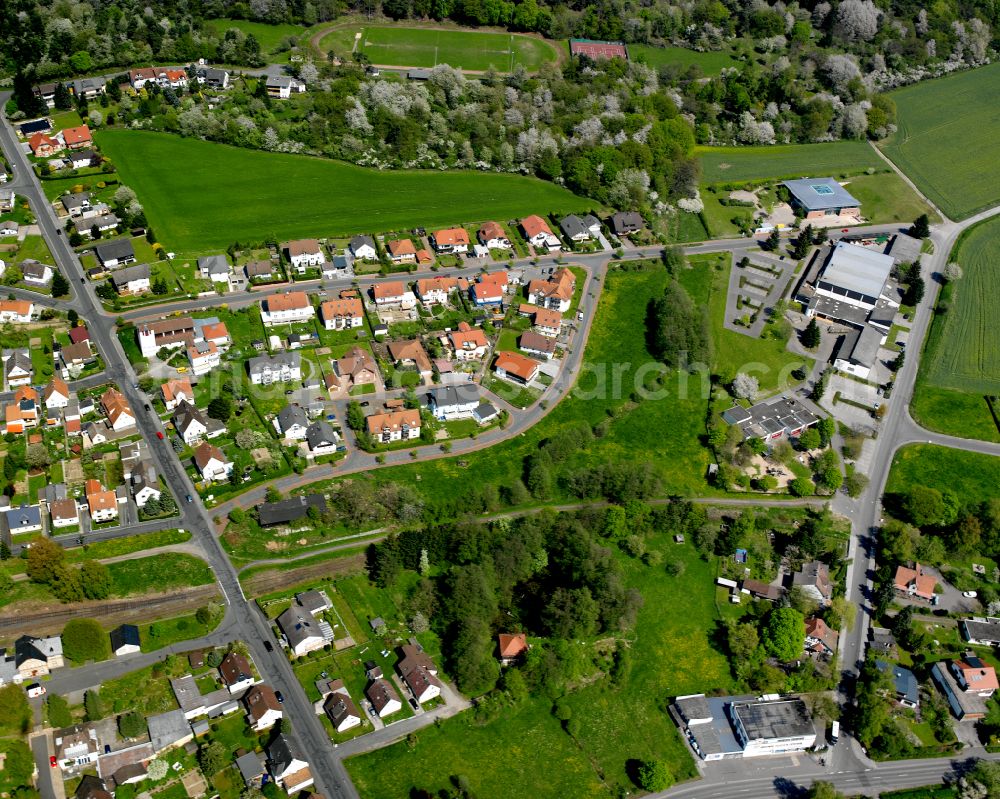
<point x="971" y="476"/>
<point x="961" y="361"/>
<point x="405" y="46"/>
<point x="671" y="653"/>
<point x="201" y="195"/>
<point x="948" y="139"/>
<point x="785" y="161"/>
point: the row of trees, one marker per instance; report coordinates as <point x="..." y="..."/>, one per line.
<point x="46" y="564"/>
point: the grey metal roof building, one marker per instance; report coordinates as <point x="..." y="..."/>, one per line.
<point x="855" y="273"/>
<point x="289" y="510"/>
<point x="772" y="720"/>
<point x="820" y="194"/>
<point x="981" y="631"/>
<point x="771" y="418"/>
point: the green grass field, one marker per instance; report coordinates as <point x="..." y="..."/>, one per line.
<point x="711" y="63"/>
<point x="885" y="197"/>
<point x="767" y="359"/>
<point x="399" y="46"/>
<point x="962" y="354"/>
<point x="948" y="140"/>
<point x="747" y="164"/>
<point x="671" y="653"/>
<point x="269" y="36"/>
<point x="224" y="194"/>
<point x="164" y="572"/>
<point x="969" y="475"/>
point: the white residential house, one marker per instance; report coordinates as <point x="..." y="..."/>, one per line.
<point x="303" y="254"/>
<point x="203" y="356"/>
<point x="291" y="423"/>
<point x="212" y="463"/>
<point x="282" y="368"/>
<point x="214" y="268"/>
<point x="263" y="708"/>
<point x="363" y="248"/>
<point x="286" y="308"/>
<point x="190" y="423"/>
<point x="16" y="311"/>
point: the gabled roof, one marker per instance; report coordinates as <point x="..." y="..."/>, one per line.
<point x="206" y="452"/>
<point x="302" y="247"/>
<point x="516" y="364"/>
<point x="283" y="752"/>
<point x="235" y="668"/>
<point x="536" y="342"/>
<point x="387" y="289"/>
<point x="451" y="236"/>
<point x="533" y="225"/>
<point x="287" y="302"/>
<point x="186" y="415"/>
<point x="491" y="230"/>
<point x="115" y="250"/>
<point x="402" y="247"/>
<point x="124" y="635"/>
<point x="290" y="416"/>
<point x="214" y="264"/>
<point x="320" y="434"/>
<point x="260" y="700"/>
<point x="512" y="644"/>
<point x="289" y="510"/>
<point x="393" y="421"/>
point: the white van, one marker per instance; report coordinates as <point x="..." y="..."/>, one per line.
<point x="35" y="690"/>
<point x="834" y="732"/>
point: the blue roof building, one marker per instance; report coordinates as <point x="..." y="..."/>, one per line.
<point x="907" y="687"/>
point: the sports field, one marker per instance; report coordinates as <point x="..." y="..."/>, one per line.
<point x="398" y="46"/>
<point x="711" y="63"/>
<point x="739" y="164"/>
<point x="961" y="362"/>
<point x="948" y="139"/>
<point x="201" y="195"/>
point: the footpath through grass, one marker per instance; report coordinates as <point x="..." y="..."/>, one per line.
<point x="948" y="139"/>
<point x="405" y="46"/>
<point x="786" y="161"/>
<point x="671" y="652"/>
<point x="961" y="360"/>
<point x="200" y="196"/>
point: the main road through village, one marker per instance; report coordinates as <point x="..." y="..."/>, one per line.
<point x="846" y="765"/>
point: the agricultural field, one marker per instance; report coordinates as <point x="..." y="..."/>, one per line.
<point x="972" y="476"/>
<point x="948" y="139"/>
<point x="224" y="194"/>
<point x="271" y="37"/>
<point x="670" y="654"/>
<point x="781" y="162"/>
<point x="961" y="361"/>
<point x="398" y="46"/>
<point x="711" y="63"/>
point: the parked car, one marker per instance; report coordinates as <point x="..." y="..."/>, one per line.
<point x="969" y="594"/>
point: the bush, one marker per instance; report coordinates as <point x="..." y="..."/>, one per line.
<point x="131" y="724"/>
<point x="85" y="639"/>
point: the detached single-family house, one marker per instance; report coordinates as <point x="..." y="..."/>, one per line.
<point x="24" y="518"/>
<point x="363" y="248"/>
<point x="17" y="367"/>
<point x="101" y="502"/>
<point x="341" y="710"/>
<point x="288" y="768"/>
<point x="263" y="707"/>
<point x="403" y="425"/>
<point x="81" y="159"/>
<point x="214" y="268"/>
<point x="915" y="583"/>
<point x="511" y="647"/>
<point x="212" y="463"/>
<point x="814" y="580"/>
<point x="407" y="353"/>
<point x="389" y="293"/>
<point x="289" y="510"/>
<point x="419" y="673"/>
<point x="252" y="769"/>
<point x="286" y="308"/>
<point x="515" y="367"/>
<point x="624" y="223"/>
<point x="301" y="630"/>
<point x="76" y="204"/>
<point x="35" y="272"/>
<point x="435" y="290"/>
<point x="469" y="343"/>
<point x="491" y="235"/>
<point x="383" y="697"/>
<point x="213" y="78"/>
<point x="177" y="390"/>
<point x="259" y="270"/>
<point x="115" y="253"/>
<point x="453" y="239"/>
<point x="132" y="280"/>
<point x="86" y="225"/>
<point x="77" y="138"/>
<point x="43" y="146"/>
<point x="303" y="254"/>
<point x="536" y="344"/>
<point x="966" y="684"/>
<point x="236" y="672"/>
<point x="189" y="422"/>
<point x="539" y="234"/>
<point x="125" y="640"/>
<point x="820" y="639"/>
<point x="556" y="293"/>
<point x="402" y="251"/>
<point x="64" y="513"/>
<point x="546" y="321"/>
<point x="37" y="657"/>
<point x="321" y="439"/>
<point x="283" y="87"/>
<point x="76" y="747"/>
<point x="343" y="313"/>
<point x="145" y="484"/>
<point x="453" y="402"/>
<point x="16" y="311"/>
<point x="203" y="357"/>
<point x="356" y="368"/>
<point x="291" y="423"/>
<point x="117" y="410"/>
<point x="905" y="685"/>
<point x="579" y="229"/>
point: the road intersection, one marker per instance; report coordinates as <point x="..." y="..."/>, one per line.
<point x="847" y="766"/>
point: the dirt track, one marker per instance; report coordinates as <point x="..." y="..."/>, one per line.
<point x="267" y="582"/>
